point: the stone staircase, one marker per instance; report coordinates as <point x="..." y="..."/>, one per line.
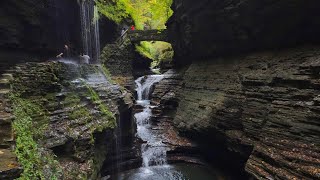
<point x="9" y="167"/>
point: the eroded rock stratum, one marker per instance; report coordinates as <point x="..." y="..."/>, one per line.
<point x="206" y="28"/>
<point x="262" y="107"/>
<point x="63" y="118"/>
<point x="252" y="83"/>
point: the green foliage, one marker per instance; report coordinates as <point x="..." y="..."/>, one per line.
<point x="34" y="161"/>
<point x="72" y="99"/>
<point x="81" y="112"/>
<point x="157" y="51"/>
<point x="113" y="9"/>
<point x="146" y="14"/>
<point x="106" y="72"/>
<point x="104" y="110"/>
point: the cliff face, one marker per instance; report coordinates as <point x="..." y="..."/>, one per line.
<point x="214" y="27"/>
<point x="248" y="100"/>
<point x="39" y="26"/>
<point x="62" y="125"/>
<point x="267" y="102"/>
<point x="124" y="64"/>
<point x="37" y="30"/>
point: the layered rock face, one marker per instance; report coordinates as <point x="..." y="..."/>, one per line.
<point x="247" y="99"/>
<point x="9" y="167"/>
<point x="165" y="102"/>
<point x="67" y="121"/>
<point x="39" y="26"/>
<point x="124" y="64"/>
<point x="37" y="30"/>
<point x="261" y="107"/>
<point x="210" y="28"/>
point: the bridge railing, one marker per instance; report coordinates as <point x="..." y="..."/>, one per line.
<point x="142" y="35"/>
<point x="122" y="38"/>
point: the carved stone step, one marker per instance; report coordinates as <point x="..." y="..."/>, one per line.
<point x="4" y="92"/>
<point x="5" y="119"/>
<point x="6" y="136"/>
<point x="9" y="167"/>
<point x="7" y="76"/>
<point x="4" y="83"/>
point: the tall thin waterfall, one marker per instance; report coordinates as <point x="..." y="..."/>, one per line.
<point x="96" y="34"/>
<point x="90" y="30"/>
<point x="153" y="151"/>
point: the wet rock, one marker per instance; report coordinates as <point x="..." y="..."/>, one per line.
<point x="203" y="29"/>
<point x="31" y="29"/>
<point x="9" y="167"/>
<point x="125" y="64"/>
<point x="165" y="105"/>
<point x="77" y="128"/>
<point x="262" y="108"/>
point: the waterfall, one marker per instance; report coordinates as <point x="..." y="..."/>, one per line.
<point x="96" y="34"/>
<point x="144" y="85"/>
<point x="90" y="30"/>
<point x="153" y="151"/>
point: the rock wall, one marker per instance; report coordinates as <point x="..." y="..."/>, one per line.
<point x="39" y="26"/>
<point x="71" y="122"/>
<point x="9" y="167"/>
<point x="38" y="29"/>
<point x="249" y="97"/>
<point x="165" y="102"/>
<point x="210" y="28"/>
<point x="125" y="64"/>
<point x="258" y="112"/>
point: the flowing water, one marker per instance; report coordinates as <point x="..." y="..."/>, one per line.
<point x="90" y="30"/>
<point x="153" y="150"/>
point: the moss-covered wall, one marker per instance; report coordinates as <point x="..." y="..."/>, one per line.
<point x="61" y="120"/>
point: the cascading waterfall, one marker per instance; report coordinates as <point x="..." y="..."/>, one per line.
<point x="90" y="29"/>
<point x="153" y="151"/>
<point x="96" y="34"/>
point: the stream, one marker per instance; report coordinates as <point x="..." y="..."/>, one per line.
<point x="153" y="150"/>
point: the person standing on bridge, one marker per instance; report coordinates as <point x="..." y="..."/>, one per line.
<point x="132" y="28"/>
<point x="123" y="31"/>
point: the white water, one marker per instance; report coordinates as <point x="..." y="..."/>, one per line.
<point x="144" y="85"/>
<point x="90" y="30"/>
<point x="68" y="61"/>
<point x="153" y="151"/>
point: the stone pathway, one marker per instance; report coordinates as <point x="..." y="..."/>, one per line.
<point x="9" y="167"/>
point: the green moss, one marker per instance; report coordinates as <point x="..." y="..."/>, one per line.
<point x="106" y="73"/>
<point x="104" y="111"/>
<point x="80" y="113"/>
<point x="72" y="99"/>
<point x="50" y="97"/>
<point x="27" y="150"/>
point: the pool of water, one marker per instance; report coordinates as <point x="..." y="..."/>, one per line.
<point x="181" y="171"/>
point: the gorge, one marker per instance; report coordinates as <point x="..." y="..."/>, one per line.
<point x="240" y="98"/>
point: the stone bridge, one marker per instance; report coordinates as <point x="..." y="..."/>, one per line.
<point x="143" y="35"/>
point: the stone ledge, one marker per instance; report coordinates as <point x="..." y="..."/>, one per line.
<point x="9" y="167"/>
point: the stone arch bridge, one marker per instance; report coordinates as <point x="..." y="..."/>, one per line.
<point x="136" y="36"/>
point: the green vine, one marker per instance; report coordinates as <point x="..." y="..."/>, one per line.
<point x="33" y="160"/>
